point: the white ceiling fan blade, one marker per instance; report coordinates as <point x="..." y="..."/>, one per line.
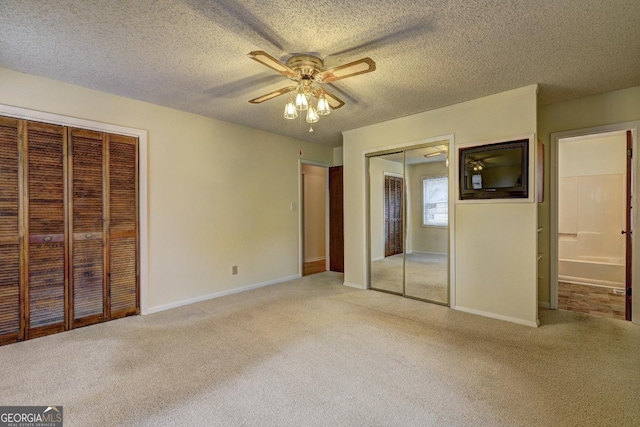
<point x="271" y="95"/>
<point x="271" y="62"/>
<point x="334" y="101"/>
<point x="361" y="66"/>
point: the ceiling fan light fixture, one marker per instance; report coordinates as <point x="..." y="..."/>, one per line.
<point x="290" y="110"/>
<point x="323" y="105"/>
<point x="308" y="73"/>
<point x="312" y="114"/>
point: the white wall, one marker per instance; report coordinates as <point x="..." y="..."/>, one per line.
<point x="219" y="193"/>
<point x="495" y="252"/>
<point x="315" y="183"/>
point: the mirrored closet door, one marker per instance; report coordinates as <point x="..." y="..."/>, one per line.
<point x="409" y="222"/>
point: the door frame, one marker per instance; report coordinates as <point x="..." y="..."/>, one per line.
<point x="301" y="213"/>
<point x="143" y="201"/>
<point x="554" y="139"/>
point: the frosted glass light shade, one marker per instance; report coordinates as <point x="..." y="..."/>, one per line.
<point x="323" y="106"/>
<point x="312" y="115"/>
<point x="290" y="110"/>
<point x="301" y="101"/>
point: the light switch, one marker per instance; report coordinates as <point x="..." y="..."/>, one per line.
<point x="293" y="206"/>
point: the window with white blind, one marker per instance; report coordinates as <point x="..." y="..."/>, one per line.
<point x="435" y="201"/>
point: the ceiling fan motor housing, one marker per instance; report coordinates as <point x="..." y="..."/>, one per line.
<point x="307" y="66"/>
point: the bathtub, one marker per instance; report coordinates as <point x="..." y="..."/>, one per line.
<point x="597" y="271"/>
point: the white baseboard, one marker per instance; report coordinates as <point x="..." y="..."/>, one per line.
<point x="219" y="294"/>
<point x="544" y="304"/>
<point x="321" y="258"/>
<point x="498" y="316"/>
<point x="353" y="285"/>
<point x="378" y="259"/>
<point x="429" y="253"/>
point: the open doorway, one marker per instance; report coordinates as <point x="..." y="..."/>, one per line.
<point x="592" y="216"/>
<point x="313" y="205"/>
<point x="594" y="224"/>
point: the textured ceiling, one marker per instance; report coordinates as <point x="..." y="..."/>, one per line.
<point x="192" y="54"/>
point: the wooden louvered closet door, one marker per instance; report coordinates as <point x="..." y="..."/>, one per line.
<point x="393" y="215"/>
<point x="68" y="228"/>
<point x="46" y="258"/>
<point x="10" y="171"/>
<point x="124" y="298"/>
<point x="87" y="275"/>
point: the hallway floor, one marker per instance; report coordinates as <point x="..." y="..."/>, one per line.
<point x="314" y="267"/>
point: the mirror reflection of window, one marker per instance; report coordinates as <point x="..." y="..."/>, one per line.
<point x="435" y="211"/>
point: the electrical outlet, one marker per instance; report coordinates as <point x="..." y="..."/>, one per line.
<point x="234" y="270"/>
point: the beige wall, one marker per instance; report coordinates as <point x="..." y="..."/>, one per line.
<point x="599" y="110"/>
<point x="315" y="182"/>
<point x="219" y="194"/>
<point x="495" y="251"/>
<point x="337" y="156"/>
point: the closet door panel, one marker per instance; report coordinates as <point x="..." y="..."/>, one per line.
<point x="88" y="281"/>
<point x="123" y="276"/>
<point x="9" y="231"/>
<point x="123" y="232"/>
<point x="47" y="259"/>
<point x="46" y="287"/>
<point x="87" y="218"/>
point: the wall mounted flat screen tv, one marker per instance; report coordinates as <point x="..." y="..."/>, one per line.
<point x="495" y="171"/>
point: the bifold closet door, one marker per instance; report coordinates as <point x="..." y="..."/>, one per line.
<point x="87" y="275"/>
<point x="46" y="259"/>
<point x="124" y="298"/>
<point x="10" y="171"/>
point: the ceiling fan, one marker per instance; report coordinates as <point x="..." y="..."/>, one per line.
<point x="308" y="73"/>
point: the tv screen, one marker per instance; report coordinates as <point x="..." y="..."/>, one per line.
<point x="495" y="171"/>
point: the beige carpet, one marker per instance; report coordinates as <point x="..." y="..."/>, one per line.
<point x="313" y="352"/>
<point x="425" y="275"/>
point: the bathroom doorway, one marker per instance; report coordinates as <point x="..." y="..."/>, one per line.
<point x="594" y="224"/>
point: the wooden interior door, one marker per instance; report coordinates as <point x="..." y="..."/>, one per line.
<point x="393" y="216"/>
<point x="123" y="267"/>
<point x="87" y="280"/>
<point x="336" y="220"/>
<point x="10" y="172"/>
<point x="46" y="258"/>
